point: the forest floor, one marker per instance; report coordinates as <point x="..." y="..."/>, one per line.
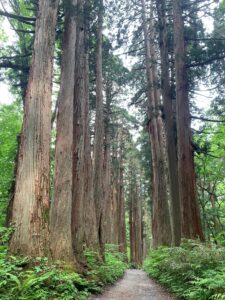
<point x="135" y="285"/>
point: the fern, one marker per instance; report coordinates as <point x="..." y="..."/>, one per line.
<point x="192" y="271"/>
<point x="23" y="278"/>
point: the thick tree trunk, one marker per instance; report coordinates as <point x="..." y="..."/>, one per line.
<point x="60" y="211"/>
<point x="83" y="212"/>
<point x="31" y="201"/>
<point x="114" y="197"/>
<point x="131" y="227"/>
<point x="78" y="145"/>
<point x="99" y="131"/>
<point x="121" y="199"/>
<point x="80" y="93"/>
<point x="144" y="232"/>
<point x="136" y="246"/>
<point x="161" y="226"/>
<point x="89" y="214"/>
<point x="191" y="224"/>
<point x="170" y="124"/>
<point x="107" y="170"/>
<point x="121" y="217"/>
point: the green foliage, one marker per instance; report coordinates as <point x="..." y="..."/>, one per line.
<point x="210" y="180"/>
<point x="17" y="52"/>
<point x="110" y="270"/>
<point x="192" y="271"/>
<point x="10" y="124"/>
<point x="43" y="281"/>
<point x="32" y="279"/>
<point x="3" y="35"/>
<point x="223" y="4"/>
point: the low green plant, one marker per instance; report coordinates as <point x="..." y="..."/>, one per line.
<point x="107" y="271"/>
<point x="24" y="278"/>
<point x="10" y="127"/>
<point x="192" y="271"/>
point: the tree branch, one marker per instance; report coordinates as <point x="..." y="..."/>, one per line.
<point x="207" y="120"/>
<point x="23" y="19"/>
<point x="206" y="62"/>
<point x="15" y="56"/>
<point x="10" y="65"/>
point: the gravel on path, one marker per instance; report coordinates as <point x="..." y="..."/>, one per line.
<point x="135" y="285"/>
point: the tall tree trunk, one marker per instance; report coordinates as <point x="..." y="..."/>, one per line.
<point x="138" y="227"/>
<point x="121" y="212"/>
<point x="83" y="212"/>
<point x="121" y="199"/>
<point x="144" y="232"/>
<point x="60" y="211"/>
<point x="99" y="130"/>
<point x="107" y="170"/>
<point x="90" y="228"/>
<point x="78" y="193"/>
<point x="131" y="227"/>
<point x="136" y="246"/>
<point x="114" y="194"/>
<point x="31" y="201"/>
<point x="191" y="224"/>
<point x="170" y="124"/>
<point x="161" y="226"/>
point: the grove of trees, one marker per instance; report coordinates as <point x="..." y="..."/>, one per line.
<point x="105" y="141"/>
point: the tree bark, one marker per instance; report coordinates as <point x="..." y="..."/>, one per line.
<point x="121" y="199"/>
<point x="78" y="140"/>
<point x="31" y="201"/>
<point x="107" y="170"/>
<point x="99" y="130"/>
<point x="83" y="211"/>
<point x="91" y="238"/>
<point x="170" y="124"/>
<point x="131" y="227"/>
<point x="60" y="211"/>
<point x="161" y="226"/>
<point x="191" y="224"/>
<point x="114" y="194"/>
<point x="135" y="220"/>
<point x="144" y="233"/>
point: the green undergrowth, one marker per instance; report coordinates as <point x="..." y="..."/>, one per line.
<point x="34" y="279"/>
<point x="193" y="271"/>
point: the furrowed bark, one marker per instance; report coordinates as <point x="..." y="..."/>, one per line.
<point x="135" y="220"/>
<point x="99" y="131"/>
<point x="161" y="226"/>
<point x="83" y="210"/>
<point x="191" y="224"/>
<point x="78" y="140"/>
<point x="31" y="201"/>
<point x="60" y="211"/>
<point x="107" y="170"/>
<point x="90" y="239"/>
<point x="170" y="124"/>
<point x="121" y="199"/>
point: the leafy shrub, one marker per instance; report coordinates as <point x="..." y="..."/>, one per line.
<point x="10" y="124"/>
<point x="192" y="271"/>
<point x="111" y="269"/>
<point x="34" y="279"/>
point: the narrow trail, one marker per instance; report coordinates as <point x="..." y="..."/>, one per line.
<point x="135" y="285"/>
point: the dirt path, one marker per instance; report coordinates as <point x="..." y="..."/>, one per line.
<point x="135" y="285"/>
